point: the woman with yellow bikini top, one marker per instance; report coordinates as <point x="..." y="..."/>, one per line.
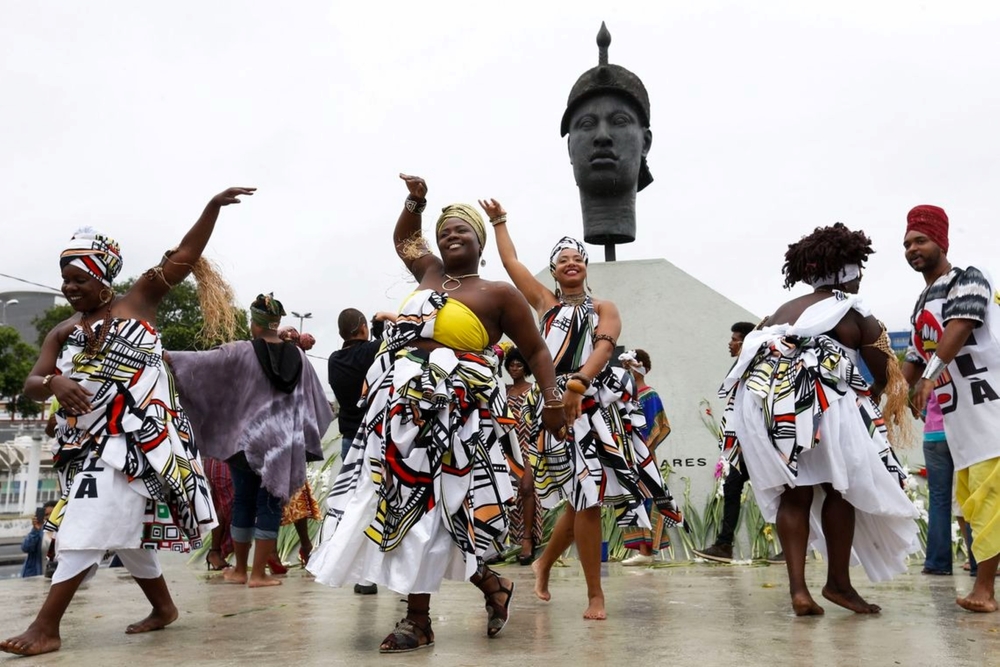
<point x="418" y="498"/>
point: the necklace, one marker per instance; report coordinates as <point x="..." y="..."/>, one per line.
<point x="93" y="343"/>
<point x="457" y="280"/>
<point x="573" y="299"/>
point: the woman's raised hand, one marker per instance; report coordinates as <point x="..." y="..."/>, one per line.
<point x="231" y="196"/>
<point x="492" y="207"/>
<point x="416" y="185"/>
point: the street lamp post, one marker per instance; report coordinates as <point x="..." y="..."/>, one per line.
<point x="301" y="316"/>
<point x="4" y="304"/>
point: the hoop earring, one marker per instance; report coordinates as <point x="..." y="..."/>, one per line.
<point x="106" y="295"/>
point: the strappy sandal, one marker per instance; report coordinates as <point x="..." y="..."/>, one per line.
<point x="208" y="561"/>
<point x="527" y="557"/>
<point x="497" y="616"/>
<point x="404" y="637"/>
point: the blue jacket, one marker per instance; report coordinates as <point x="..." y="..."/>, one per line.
<point x="34" y="563"/>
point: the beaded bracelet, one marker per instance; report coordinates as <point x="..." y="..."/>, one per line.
<point x="499" y="220"/>
<point x="606" y="337"/>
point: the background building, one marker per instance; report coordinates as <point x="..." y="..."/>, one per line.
<point x="30" y="304"/>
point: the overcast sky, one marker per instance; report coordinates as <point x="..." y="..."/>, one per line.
<point x="768" y="119"/>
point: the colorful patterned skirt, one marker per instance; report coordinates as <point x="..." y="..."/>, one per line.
<point x="803" y="417"/>
<point x="423" y="490"/>
<point x="604" y="460"/>
<point x="523" y="431"/>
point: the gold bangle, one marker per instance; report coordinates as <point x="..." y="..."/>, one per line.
<point x="576" y="386"/>
<point x="499" y="220"/>
<point x="553" y="406"/>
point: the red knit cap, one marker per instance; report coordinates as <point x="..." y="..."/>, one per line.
<point x="929" y="220"/>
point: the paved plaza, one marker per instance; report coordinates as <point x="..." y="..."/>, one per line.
<point x="695" y="614"/>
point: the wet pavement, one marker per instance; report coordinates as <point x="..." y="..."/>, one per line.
<point x="691" y="614"/>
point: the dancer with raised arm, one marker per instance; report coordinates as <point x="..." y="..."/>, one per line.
<point x="602" y="460"/>
<point x="125" y="446"/>
<point x="419" y="497"/>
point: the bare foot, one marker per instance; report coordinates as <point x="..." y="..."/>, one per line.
<point x="32" y="642"/>
<point x="977" y="603"/>
<point x="595" y="610"/>
<point x="804" y="605"/>
<point x="849" y="599"/>
<point x="541" y="582"/>
<point x="262" y="581"/>
<point x="157" y="620"/>
<point x="231" y="576"/>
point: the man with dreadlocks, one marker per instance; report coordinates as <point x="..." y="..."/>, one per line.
<point x="956" y="337"/>
<point x="809" y="425"/>
<point x="126" y="458"/>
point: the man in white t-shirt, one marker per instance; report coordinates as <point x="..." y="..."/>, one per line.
<point x="956" y="332"/>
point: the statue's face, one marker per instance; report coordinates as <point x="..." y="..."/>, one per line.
<point x="606" y="144"/>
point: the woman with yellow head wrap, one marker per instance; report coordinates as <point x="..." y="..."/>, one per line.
<point x="418" y="498"/>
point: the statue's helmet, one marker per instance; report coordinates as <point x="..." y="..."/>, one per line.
<point x="607" y="78"/>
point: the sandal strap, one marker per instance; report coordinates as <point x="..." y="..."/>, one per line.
<point x="404" y="635"/>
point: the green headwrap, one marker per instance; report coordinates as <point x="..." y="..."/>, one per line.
<point x="469" y="215"/>
<point x="266" y="311"/>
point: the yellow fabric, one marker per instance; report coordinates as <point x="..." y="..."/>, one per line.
<point x="978" y="494"/>
<point x="458" y="327"/>
<point x="469" y="215"/>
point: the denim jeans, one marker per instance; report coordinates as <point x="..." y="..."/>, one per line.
<point x="256" y="513"/>
<point x="940" y="474"/>
<point x="345" y="446"/>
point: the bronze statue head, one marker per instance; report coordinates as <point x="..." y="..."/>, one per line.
<point x="607" y="120"/>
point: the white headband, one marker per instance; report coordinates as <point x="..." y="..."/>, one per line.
<point x="630" y="362"/>
<point x="845" y="275"/>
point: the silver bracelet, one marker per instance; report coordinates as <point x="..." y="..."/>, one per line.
<point x="934" y="369"/>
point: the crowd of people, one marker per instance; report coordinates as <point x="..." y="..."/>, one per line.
<point x="445" y="467"/>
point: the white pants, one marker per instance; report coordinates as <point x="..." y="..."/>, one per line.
<point x="140" y="563"/>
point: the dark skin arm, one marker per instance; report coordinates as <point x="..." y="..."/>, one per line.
<point x="877" y="361"/>
<point x="911" y="372"/>
<point x="408" y="225"/>
<point x="538" y="295"/>
<point x="73" y="398"/>
<point x="516" y="321"/>
<point x="956" y="333"/>
<point x="147" y="292"/>
<point x="140" y="302"/>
